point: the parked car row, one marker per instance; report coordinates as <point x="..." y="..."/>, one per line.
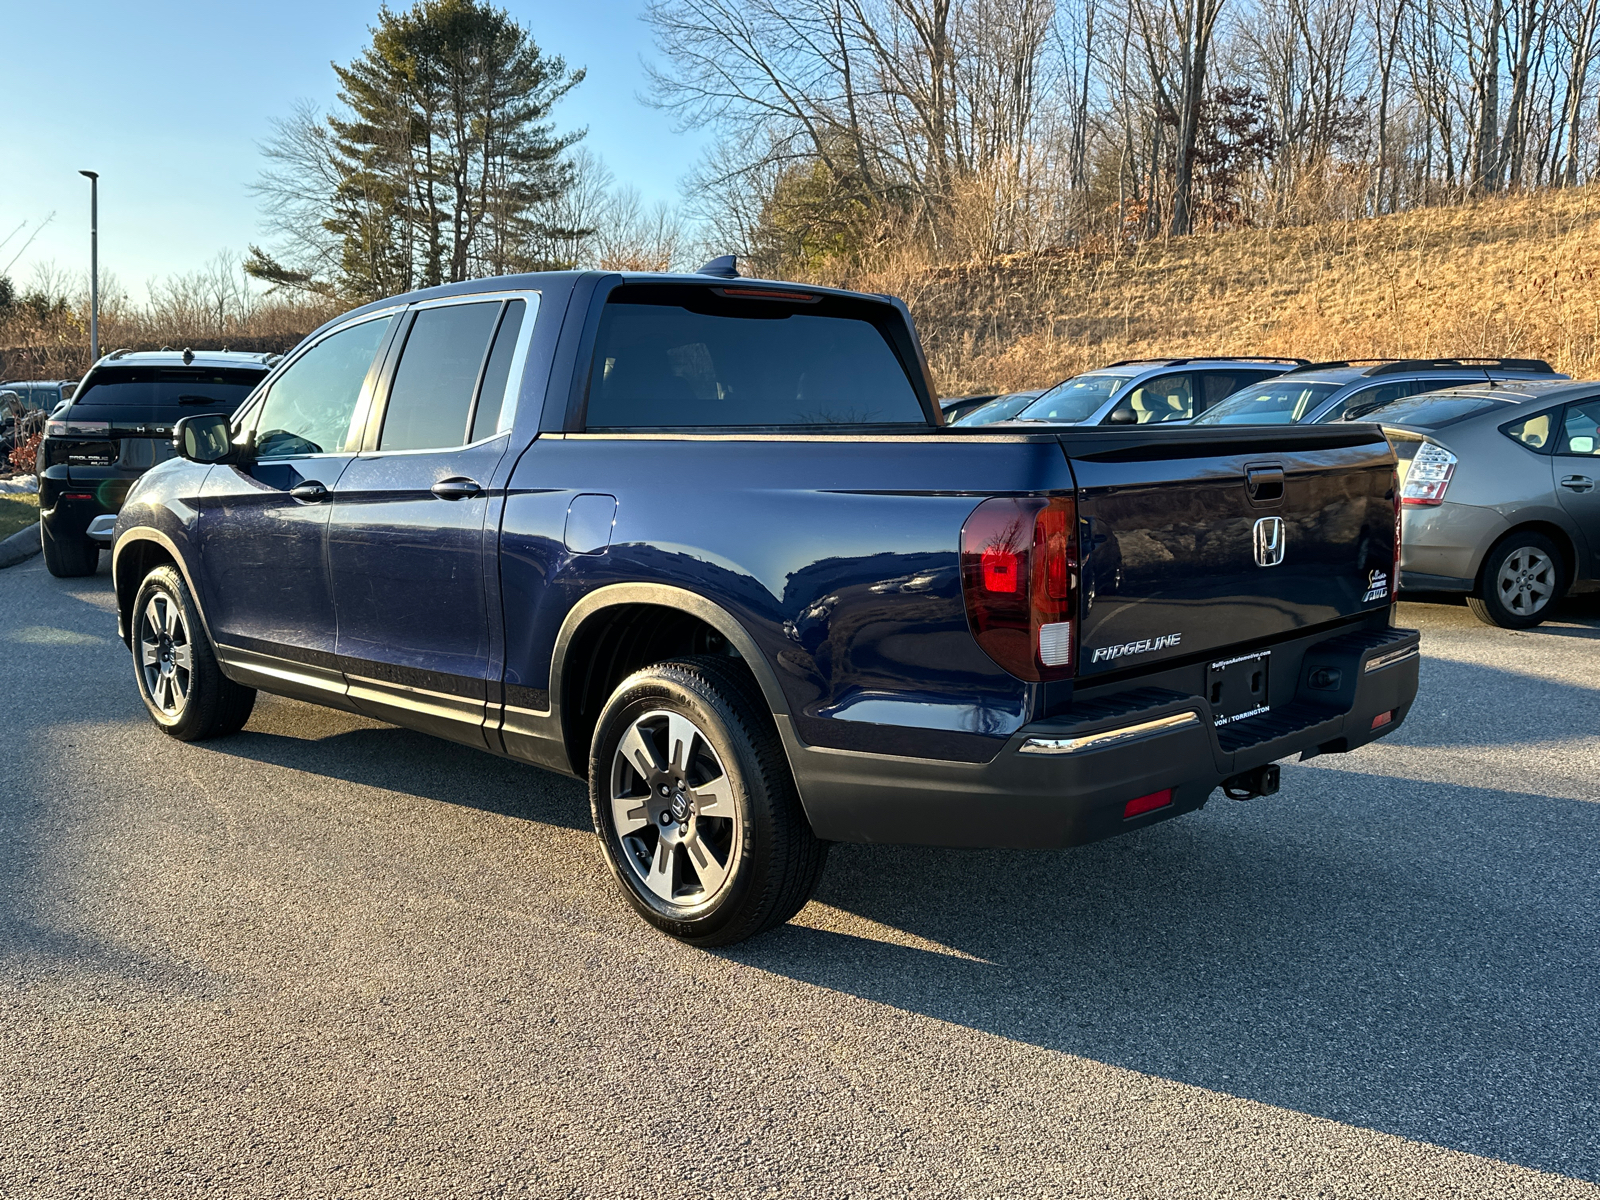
<point x="1521" y="526"/>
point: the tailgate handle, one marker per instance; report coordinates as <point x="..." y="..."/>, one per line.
<point x="1265" y="484"/>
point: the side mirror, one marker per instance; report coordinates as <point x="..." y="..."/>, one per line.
<point x="1122" y="416"/>
<point x="205" y="438"/>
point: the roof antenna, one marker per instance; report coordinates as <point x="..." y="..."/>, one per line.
<point x="188" y="356"/>
<point x="725" y="267"/>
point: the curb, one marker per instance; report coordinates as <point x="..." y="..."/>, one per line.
<point x="20" y="546"/>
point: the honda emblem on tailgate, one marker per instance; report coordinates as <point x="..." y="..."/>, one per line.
<point x="1269" y="541"/>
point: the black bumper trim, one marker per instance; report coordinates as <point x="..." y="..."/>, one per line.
<point x="1024" y="799"/>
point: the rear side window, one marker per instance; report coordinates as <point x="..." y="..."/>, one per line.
<point x="1532" y="432"/>
<point x="1579" y="434"/>
<point x="201" y="388"/>
<point x="431" y="397"/>
<point x="751" y="363"/>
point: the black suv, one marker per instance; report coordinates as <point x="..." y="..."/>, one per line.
<point x="117" y="426"/>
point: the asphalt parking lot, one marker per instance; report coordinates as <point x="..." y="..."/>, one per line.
<point x="327" y="957"/>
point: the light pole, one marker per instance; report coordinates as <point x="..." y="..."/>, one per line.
<point x="94" y="264"/>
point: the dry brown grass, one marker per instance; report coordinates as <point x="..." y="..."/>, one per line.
<point x="1511" y="276"/>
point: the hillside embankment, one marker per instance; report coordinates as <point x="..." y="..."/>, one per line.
<point x="1510" y="276"/>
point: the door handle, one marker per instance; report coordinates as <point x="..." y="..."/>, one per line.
<point x="1577" y="483"/>
<point x="455" y="489"/>
<point x="310" y="491"/>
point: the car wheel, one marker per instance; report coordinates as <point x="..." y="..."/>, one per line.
<point x="695" y="805"/>
<point x="179" y="679"/>
<point x="68" y="558"/>
<point x="1523" y="575"/>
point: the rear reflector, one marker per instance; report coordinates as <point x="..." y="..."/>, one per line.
<point x="77" y="495"/>
<point x="1144" y="804"/>
<point x="1382" y="719"/>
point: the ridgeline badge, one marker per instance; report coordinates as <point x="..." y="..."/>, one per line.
<point x="1144" y="646"/>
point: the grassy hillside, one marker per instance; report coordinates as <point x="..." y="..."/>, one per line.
<point x="1516" y="276"/>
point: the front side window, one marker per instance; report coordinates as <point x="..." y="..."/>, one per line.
<point x="1155" y="401"/>
<point x="712" y="362"/>
<point x="1276" y="402"/>
<point x="1075" y="399"/>
<point x="1579" y="434"/>
<point x="430" y="399"/>
<point x="310" y="406"/>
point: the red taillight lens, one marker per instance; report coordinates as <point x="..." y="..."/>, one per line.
<point x="1019" y="573"/>
<point x="1144" y="804"/>
<point x="1394" y="590"/>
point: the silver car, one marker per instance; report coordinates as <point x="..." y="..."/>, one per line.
<point x="1499" y="495"/>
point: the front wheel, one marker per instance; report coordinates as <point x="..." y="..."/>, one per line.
<point x="182" y="686"/>
<point x="695" y="805"/>
<point x="1523" y="576"/>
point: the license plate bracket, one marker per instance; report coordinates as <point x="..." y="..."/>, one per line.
<point x="1238" y="687"/>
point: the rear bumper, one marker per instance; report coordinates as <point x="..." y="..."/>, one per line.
<point x="1065" y="781"/>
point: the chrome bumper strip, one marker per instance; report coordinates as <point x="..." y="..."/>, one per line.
<point x="1389" y="659"/>
<point x="1109" y="737"/>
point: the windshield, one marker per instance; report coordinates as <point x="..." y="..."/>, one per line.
<point x="1279" y="402"/>
<point x="1002" y="409"/>
<point x="1429" y="411"/>
<point x="1076" y="399"/>
<point x="199" y="387"/>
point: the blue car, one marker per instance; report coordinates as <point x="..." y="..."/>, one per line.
<point x="706" y="543"/>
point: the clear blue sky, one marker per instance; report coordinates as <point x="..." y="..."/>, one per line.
<point x="169" y="99"/>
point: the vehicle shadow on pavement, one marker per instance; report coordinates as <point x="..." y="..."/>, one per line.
<point x="416" y="764"/>
<point x="1572" y="617"/>
<point x="1419" y="959"/>
<point x="1467" y="704"/>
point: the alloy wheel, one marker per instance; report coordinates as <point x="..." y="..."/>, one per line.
<point x="674" y="811"/>
<point x="165" y="654"/>
<point x="1527" y="581"/>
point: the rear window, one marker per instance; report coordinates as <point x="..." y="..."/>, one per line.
<point x="1431" y="410"/>
<point x="199" y="387"/>
<point x="672" y="359"/>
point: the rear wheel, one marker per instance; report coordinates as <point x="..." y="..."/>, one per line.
<point x="183" y="688"/>
<point x="68" y="557"/>
<point x="695" y="806"/>
<point x="1523" y="576"/>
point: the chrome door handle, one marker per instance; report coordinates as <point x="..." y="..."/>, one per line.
<point x="310" y="491"/>
<point x="1577" y="483"/>
<point x="455" y="489"/>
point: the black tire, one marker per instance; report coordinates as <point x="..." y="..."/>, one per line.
<point x="68" y="558"/>
<point x="193" y="701"/>
<point x="1523" y="576"/>
<point x="765" y="868"/>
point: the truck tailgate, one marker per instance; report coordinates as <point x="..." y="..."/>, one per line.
<point x="1200" y="540"/>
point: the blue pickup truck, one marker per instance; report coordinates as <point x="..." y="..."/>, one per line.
<point x="706" y="543"/>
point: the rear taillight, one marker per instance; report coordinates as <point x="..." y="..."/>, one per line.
<point x="1394" y="494"/>
<point x="77" y="428"/>
<point x="1019" y="574"/>
<point x="1429" y="475"/>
